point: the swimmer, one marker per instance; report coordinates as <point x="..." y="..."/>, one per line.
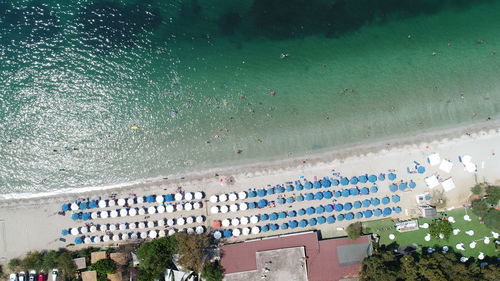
<point x="462" y="95"/>
<point x="272" y="93"/>
<point x="173" y="112"/>
<point x="282" y="56"/>
<point x="434" y="53"/>
<point x="409" y="36"/>
<point x="134" y="127"/>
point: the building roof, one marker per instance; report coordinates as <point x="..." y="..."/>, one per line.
<point x="333" y="259"/>
<point x="119" y="258"/>
<point x="97" y="256"/>
<point x="89" y="275"/>
<point x="428" y="212"/>
<point x="80" y="263"/>
<point x="117" y="276"/>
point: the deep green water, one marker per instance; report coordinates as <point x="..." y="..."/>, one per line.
<point x="196" y="77"/>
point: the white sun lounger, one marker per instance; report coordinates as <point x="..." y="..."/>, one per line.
<point x="434" y="159"/>
<point x="446" y="166"/>
<point x="448" y="184"/>
<point x="432" y="181"/>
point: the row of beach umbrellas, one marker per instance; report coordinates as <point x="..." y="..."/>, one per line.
<point x="402" y="186"/>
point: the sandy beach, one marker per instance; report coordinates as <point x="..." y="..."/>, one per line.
<point x="30" y="221"/>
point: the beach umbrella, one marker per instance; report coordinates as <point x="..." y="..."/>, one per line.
<point x="198" y="195"/>
<point x="86" y="216"/>
<point x="359" y="215"/>
<point x="340" y="217"/>
<point x="289" y="188"/>
<point x="75" y="216"/>
<point x="337" y="194"/>
<point x="377" y="212"/>
<point x="223" y="197"/>
<point x="143" y="235"/>
<point x="365" y="191"/>
<point x="328" y="194"/>
<point x="347" y="206"/>
<point x="181" y="221"/>
<point x="243" y="206"/>
<point x="386" y="200"/>
<point x="312" y="222"/>
<point x="82" y="206"/>
<point x="169" y="197"/>
<point x="64" y="232"/>
<point x="170" y="222"/>
<point x="293" y="224"/>
<point x="299" y="187"/>
<point x="235" y="221"/>
<point x="309" y="185"/>
<point x="344" y="181"/>
<point x="132" y="225"/>
<point x="121" y="202"/>
<point x="200" y="219"/>
<point x="261" y="192"/>
<point x="301" y="212"/>
<point x="150" y="198"/>
<point x="391" y="176"/>
<point x="105" y="238"/>
<point x="280" y="189"/>
<point x="190" y="220"/>
<point x="161" y="222"/>
<point x="289" y="200"/>
<point x="104" y="214"/>
<point x="226" y="222"/>
<point x="374" y="189"/>
<point x="273" y="216"/>
<point x="264" y="217"/>
<point x="123" y="212"/>
<point x="274" y="226"/>
<point x="381" y="177"/>
<point x="284" y="226"/>
<point x="152" y="210"/>
<point x="412" y="184"/>
<point x="140" y="199"/>
<point x="246" y="230"/>
<point x="116" y="237"/>
<point x="94" y="215"/>
<point x="329" y="208"/>
<point x="345" y="193"/>
<point x="363" y="178"/>
<point x="330" y="219"/>
<point x="262" y="203"/>
<point x="354" y="180"/>
<point x="112" y="202"/>
<point x="178" y="196"/>
<point x="402" y="186"/>
<point x="96" y="239"/>
<point x="190" y="231"/>
<point x="252" y="194"/>
<point x="84" y="229"/>
<point x="112" y="227"/>
<point x="393" y="187"/>
<point x="200" y="229"/>
<point x="300" y="198"/>
<point x="335" y="182"/>
<point x="171" y="232"/>
<point x="353" y="191"/>
<point x="171" y="209"/>
<point x="303" y="223"/>
<point x="270" y="191"/>
<point x="357" y="204"/>
<point x="375" y="201"/>
<point x="292" y="213"/>
<point x="265" y="228"/>
<point x="397" y="210"/>
<point x="113" y="213"/>
<point x="92" y="204"/>
<point x="160" y="209"/>
<point x="188" y="196"/>
<point x="65" y="207"/>
<point x="214" y="199"/>
<point x="224" y="209"/>
<point x="162" y="233"/>
<point x="372" y="178"/>
<point x="218" y="234"/>
<point x="318" y="195"/>
<point x="244" y="220"/>
<point x="141" y="225"/>
<point x="309" y="196"/>
<point x="213" y="209"/>
<point x="326" y="183"/>
<point x="320" y="210"/>
<point x="387" y="212"/>
<point x="254" y="219"/>
<point x="233" y="197"/>
<point x="421" y="169"/>
<point x="153" y="234"/>
<point x="233" y="207"/>
<point x="349" y="216"/>
<point x="74" y="231"/>
<point x="103" y="227"/>
<point x="142" y="211"/>
<point x="321" y="220"/>
<point x="317" y="184"/>
<point x="310" y="210"/>
<point x="339" y="207"/>
<point x="242" y="195"/>
<point x="78" y="240"/>
<point x="281" y="201"/>
<point x="282" y="215"/>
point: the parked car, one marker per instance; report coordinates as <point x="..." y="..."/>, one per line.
<point x="32" y="276"/>
<point x="22" y="276"/>
<point x="42" y="276"/>
<point x="13" y="277"/>
<point x="55" y="273"/>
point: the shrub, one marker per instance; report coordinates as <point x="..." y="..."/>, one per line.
<point x="33" y="260"/>
<point x="480" y="208"/>
<point x="477" y="189"/>
<point x="14" y="264"/>
<point x="212" y="271"/>
<point x="104" y="266"/>
<point x="492" y="219"/>
<point x="354" y="230"/>
<point x="441" y="227"/>
<point x="493" y="194"/>
<point x="155" y="256"/>
<point x="192" y="249"/>
<point x="67" y="268"/>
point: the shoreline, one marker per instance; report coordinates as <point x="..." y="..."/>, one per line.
<point x="262" y="166"/>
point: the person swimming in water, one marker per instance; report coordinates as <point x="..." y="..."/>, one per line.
<point x="282" y="56"/>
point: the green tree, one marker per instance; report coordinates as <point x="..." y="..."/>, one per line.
<point x="33" y="260"/>
<point x="492" y="219"/>
<point x="67" y="268"/>
<point x="480" y="207"/>
<point x="14" y="264"/>
<point x="439" y="226"/>
<point x="212" y="271"/>
<point x="477" y="189"/>
<point x="380" y="267"/>
<point x="192" y="249"/>
<point x="104" y="266"/>
<point x="50" y="260"/>
<point x="493" y="194"/>
<point x="155" y="256"/>
<point x="409" y="268"/>
<point x="354" y="230"/>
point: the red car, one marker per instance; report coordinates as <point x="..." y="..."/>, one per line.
<point x="42" y="276"/>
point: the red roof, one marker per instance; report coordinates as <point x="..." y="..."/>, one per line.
<point x="321" y="256"/>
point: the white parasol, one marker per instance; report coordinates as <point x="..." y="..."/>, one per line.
<point x="188" y="196"/>
<point x="93" y="229"/>
<point x="178" y="196"/>
<point x="141" y="225"/>
<point x="235" y="222"/>
<point x="160" y="209"/>
<point x="122" y="226"/>
<point x="161" y="233"/>
<point x="223" y="197"/>
<point x="244" y="220"/>
<point x="105" y="238"/>
<point x="179" y="207"/>
<point x="190" y="220"/>
<point x="153" y="234"/>
<point x="217" y="235"/>
<point x="233" y="197"/>
<point x="74" y="206"/>
<point x="214" y="209"/>
<point x="94" y="215"/>
<point x="123" y="212"/>
<point x="255" y="230"/>
<point x="134" y="235"/>
<point x="132" y="212"/>
<point x="144" y="235"/>
<point x="74" y="231"/>
<point x="130" y="201"/>
<point x="242" y="195"/>
<point x="121" y="202"/>
<point x="200" y="219"/>
<point x="97" y="239"/>
<point x="161" y="222"/>
<point x="151" y="224"/>
<point x="84" y="229"/>
<point x="254" y="219"/>
<point x="112" y="203"/>
<point x="113" y="214"/>
<point x="140" y="200"/>
<point x="132" y="225"/>
<point x="198" y="195"/>
<point x="224" y="209"/>
<point x="233" y="207"/>
<point x="245" y="231"/>
<point x="236" y="232"/>
<point x="103" y="227"/>
<point x="159" y="199"/>
<point x="142" y="211"/>
<point x="243" y="206"/>
<point x="214" y="198"/>
<point x="102" y="204"/>
<point x="200" y="229"/>
<point x="181" y="221"/>
<point x="170" y="222"/>
<point x="171" y="231"/>
<point x="152" y="210"/>
<point x="190" y="230"/>
<point x="188" y="206"/>
<point x="197" y="205"/>
<point x="112" y="227"/>
<point x="170" y="209"/>
<point x="226" y="222"/>
<point x="104" y="214"/>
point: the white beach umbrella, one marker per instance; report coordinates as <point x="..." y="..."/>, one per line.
<point x="198" y="195"/>
<point x="451" y="219"/>
<point x="123" y="212"/>
<point x="255" y="230"/>
<point x="141" y="225"/>
<point x="214" y="209"/>
<point x="105" y="238"/>
<point x="132" y="225"/>
<point x="233" y="197"/>
<point x="171" y="232"/>
<point x="113" y="213"/>
<point x="133" y="235"/>
<point x="112" y="227"/>
<point x="243" y="206"/>
<point x="188" y="196"/>
<point x="94" y="215"/>
<point x="224" y="209"/>
<point x="495" y="234"/>
<point x="217" y="234"/>
<point x="159" y="199"/>
<point x="161" y="233"/>
<point x="470" y="232"/>
<point x="223" y="197"/>
<point x="200" y="219"/>
<point x="178" y="196"/>
<point x="456" y="231"/>
<point x="245" y="231"/>
<point x="235" y="222"/>
<point x="160" y="209"/>
<point x="102" y="204"/>
<point x="472" y="245"/>
<point x="140" y="200"/>
<point x="190" y="220"/>
<point x="200" y="229"/>
<point x="93" y="229"/>
<point x="226" y="222"/>
<point x="179" y="207"/>
<point x="142" y="211"/>
<point x="103" y="227"/>
<point x="144" y="235"/>
<point x="130" y="201"/>
<point x="254" y="219"/>
<point x="236" y="232"/>
<point x="214" y="198"/>
<point x="188" y="206"/>
<point x="480" y="256"/>
<point x="170" y="209"/>
<point x="197" y="205"/>
<point x="161" y="222"/>
<point x="124" y="236"/>
<point x="170" y="222"/>
<point x="392" y="236"/>
<point x="74" y="231"/>
<point x="112" y="203"/>
<point x="151" y="224"/>
<point x="486" y="240"/>
<point x="121" y="202"/>
<point x="97" y="239"/>
<point x="152" y="210"/>
<point x="84" y="229"/>
<point x="123" y="226"/>
<point x="153" y="234"/>
<point x="242" y="195"/>
<point x="132" y="212"/>
<point x="467" y="218"/>
<point x="74" y="207"/>
<point x="181" y="221"/>
<point x="233" y="207"/>
<point x="427" y="237"/>
<point x="87" y="240"/>
<point x="190" y="230"/>
<point x="244" y="220"/>
<point x="104" y="214"/>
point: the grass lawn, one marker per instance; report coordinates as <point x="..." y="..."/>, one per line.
<point x="408" y="238"/>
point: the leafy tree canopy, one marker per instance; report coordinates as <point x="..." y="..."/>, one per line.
<point x="493" y="194"/>
<point x="480" y="207"/>
<point x="439" y="226"/>
<point x="104" y="266"/>
<point x="212" y="271"/>
<point x="354" y="230"/>
<point x="192" y="249"/>
<point x="155" y="256"/>
<point x="492" y="219"/>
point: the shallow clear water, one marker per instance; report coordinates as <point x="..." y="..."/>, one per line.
<point x="196" y="78"/>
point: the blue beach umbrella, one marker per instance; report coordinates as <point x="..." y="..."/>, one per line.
<point x="270" y="191"/>
<point x="391" y="176"/>
<point x="357" y="204"/>
<point x="363" y="179"/>
<point x="282" y="215"/>
<point x="381" y="177"/>
<point x="368" y="214"/>
<point x="359" y="215"/>
<point x="284" y="226"/>
<point x="395" y="198"/>
<point x="397" y="210"/>
<point x="280" y="189"/>
<point x="330" y="219"/>
<point x="86" y="216"/>
<point x="372" y="178"/>
<point x="309" y="196"/>
<point x="274" y="226"/>
<point x="340" y="217"/>
<point x="252" y="194"/>
<point x="354" y="180"/>
<point x="339" y="207"/>
<point x="75" y="216"/>
<point x="377" y="212"/>
<point x="78" y="240"/>
<point x="169" y="198"/>
<point x="289" y="187"/>
<point x="265" y="228"/>
<point x="292" y="213"/>
<point x="328" y="194"/>
<point x="387" y="212"/>
<point x="353" y="191"/>
<point x="402" y="186"/>
<point x="318" y="195"/>
<point x="293" y="224"/>
<point x="335" y="182"/>
<point x="65" y="207"/>
<point x="301" y="212"/>
<point x="281" y="201"/>
<point x="329" y="208"/>
<point x="347" y="206"/>
<point x="393" y="187"/>
<point x="252" y="205"/>
<point x="261" y="192"/>
<point x="303" y="223"/>
<point x="337" y="194"/>
<point x="326" y="183"/>
<point x="262" y="203"/>
<point x="273" y="216"/>
<point x="349" y="216"/>
<point x="82" y="206"/>
<point x="300" y="198"/>
<point x="365" y="191"/>
<point x="366" y="203"/>
<point x="375" y="201"/>
<point x="312" y="222"/>
<point x="427" y="197"/>
<point x="386" y="200"/>
<point x="310" y="210"/>
<point x="150" y="199"/>
<point x="309" y="185"/>
<point x="321" y="220"/>
<point x="320" y="210"/>
<point x="264" y="217"/>
<point x="64" y="232"/>
<point x="228" y="233"/>
<point x="289" y="200"/>
<point x="374" y="189"/>
<point x="317" y="184"/>
<point x="345" y="193"/>
<point x="412" y="184"/>
<point x="92" y="204"/>
<point x="344" y="181"/>
<point x="421" y="169"/>
<point x="299" y="187"/>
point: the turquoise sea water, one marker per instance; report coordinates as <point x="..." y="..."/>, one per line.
<point x="197" y="78"/>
